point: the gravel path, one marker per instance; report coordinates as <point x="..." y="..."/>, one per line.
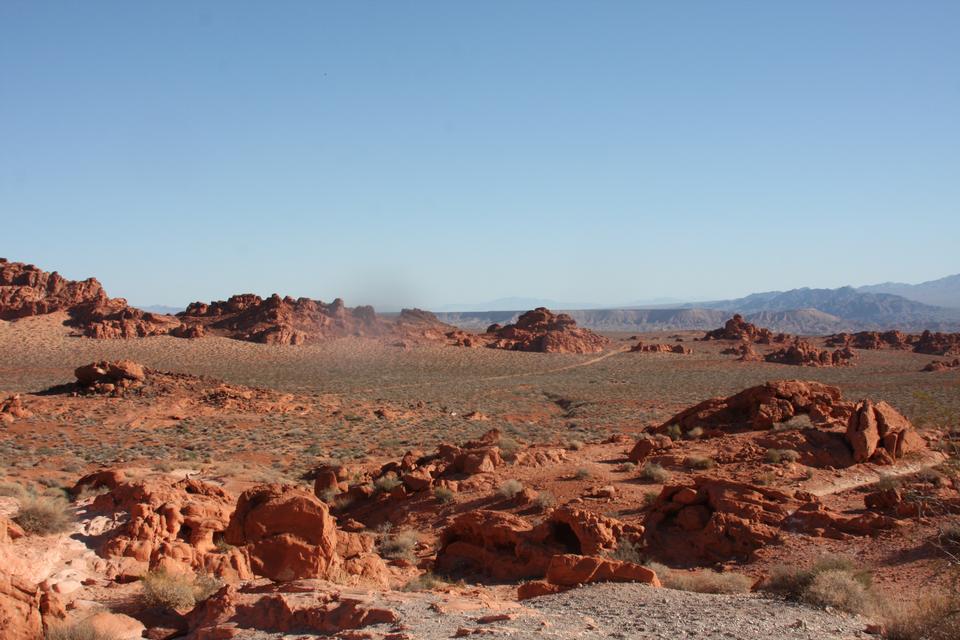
<point x="631" y="611"/>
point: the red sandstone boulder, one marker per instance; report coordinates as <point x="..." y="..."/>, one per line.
<point x="879" y="433"/>
<point x="647" y="446"/>
<point x="736" y="328"/>
<point x="171" y="524"/>
<point x="288" y="534"/>
<point x="20" y="617"/>
<point x="660" y="348"/>
<point x="936" y="365"/>
<point x="544" y="331"/>
<point x="110" y="377"/>
<point x="802" y="353"/>
<point x="12" y="409"/>
<point x="299" y="609"/>
<point x="760" y="407"/>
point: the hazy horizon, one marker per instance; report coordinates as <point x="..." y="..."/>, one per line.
<point x="431" y="154"/>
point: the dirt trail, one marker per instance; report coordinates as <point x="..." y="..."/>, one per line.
<point x="866" y="474"/>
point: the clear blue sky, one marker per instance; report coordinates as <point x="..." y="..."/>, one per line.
<point x="423" y="153"/>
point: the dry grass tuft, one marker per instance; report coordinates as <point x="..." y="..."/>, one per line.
<point x="702" y="581"/>
<point x="177" y="591"/>
<point x="44" y="516"/>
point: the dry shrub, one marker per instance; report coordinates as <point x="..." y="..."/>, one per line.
<point x="627" y="551"/>
<point x="544" y="500"/>
<point x="44" y="516"/>
<point x="398" y="545"/>
<point x="13" y="490"/>
<point x="510" y="488"/>
<point x="78" y="631"/>
<point x="654" y="472"/>
<point x="443" y="495"/>
<point x="699" y="462"/>
<point x="832" y="580"/>
<point x="387" y="483"/>
<point x="177" y="591"/>
<point x="703" y="581"/>
<point x="934" y="617"/>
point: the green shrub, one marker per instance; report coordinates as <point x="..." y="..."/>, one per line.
<point x="44" y="516"/>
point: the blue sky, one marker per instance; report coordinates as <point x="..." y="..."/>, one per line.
<point x="424" y="153"/>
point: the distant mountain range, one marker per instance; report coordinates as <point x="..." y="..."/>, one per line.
<point x="944" y="292"/>
<point x="802" y="311"/>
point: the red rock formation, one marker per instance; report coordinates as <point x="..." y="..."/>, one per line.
<point x="760" y="407"/>
<point x="647" y="446"/>
<point x="745" y="351"/>
<point x="277" y="320"/>
<point x="26" y="611"/>
<point x="27" y="291"/>
<point x="174" y="525"/>
<point x="547" y="332"/>
<point x="12" y="409"/>
<point x="715" y="520"/>
<point x="566" y="571"/>
<point x="660" y="348"/>
<point x="936" y="365"/>
<point x="879" y="433"/>
<point x="300" y="610"/>
<point x="938" y="344"/>
<point x="736" y="328"/>
<point x="107" y="377"/>
<point x="507" y="547"/>
<point x="871" y="340"/>
<point x="802" y="353"/>
<point x="286" y="533"/>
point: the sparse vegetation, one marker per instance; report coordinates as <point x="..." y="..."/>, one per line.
<point x="399" y="545"/>
<point x="831" y="581"/>
<point x="627" y="467"/>
<point x="932" y="617"/>
<point x="177" y="591"/>
<point x="387" y="483"/>
<point x="544" y="500"/>
<point x="699" y="462"/>
<point x="424" y="582"/>
<point x="654" y="473"/>
<point x="581" y="473"/>
<point x="703" y="580"/>
<point x="778" y="456"/>
<point x="44" y="516"/>
<point x="627" y="551"/>
<point x="443" y="495"/>
<point x="510" y="488"/>
<point x="77" y="631"/>
<point x="694" y="434"/>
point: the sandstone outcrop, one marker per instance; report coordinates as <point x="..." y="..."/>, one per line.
<point x="28" y="291"/>
<point x="505" y="546"/>
<point x="760" y="407"/>
<point x="566" y="571"/>
<point x="736" y="328"/>
<point x="12" y="409"/>
<point x="879" y="433"/>
<point x="802" y="353"/>
<point x="744" y="351"/>
<point x="290" y="321"/>
<point x="299" y="609"/>
<point x="177" y="525"/>
<point x="106" y="377"/>
<point x="715" y="520"/>
<point x="286" y="534"/>
<point x="26" y="611"/>
<point x="936" y="365"/>
<point x="544" y="331"/>
<point x="871" y="340"/>
<point x="938" y="344"/>
<point x="660" y="348"/>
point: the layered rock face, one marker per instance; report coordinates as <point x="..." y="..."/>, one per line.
<point x="544" y="331"/>
<point x="286" y="320"/>
<point x="564" y="550"/>
<point x="760" y="407"/>
<point x="842" y="433"/>
<point x="736" y="328"/>
<point x="715" y="520"/>
<point x="802" y="353"/>
<point x="28" y="291"/>
<point x="174" y="525"/>
<point x="660" y="348"/>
